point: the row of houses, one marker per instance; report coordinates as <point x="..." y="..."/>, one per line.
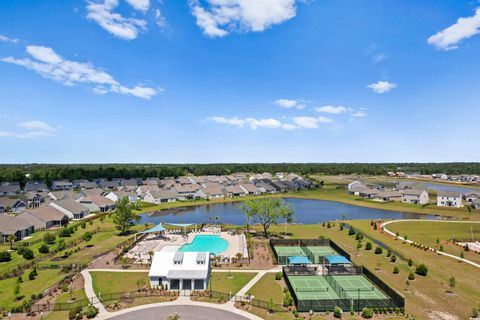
<point x="402" y="193"/>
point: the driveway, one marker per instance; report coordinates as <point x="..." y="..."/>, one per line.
<point x="185" y="312"/>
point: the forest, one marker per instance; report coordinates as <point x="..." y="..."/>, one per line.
<point x="50" y="172"/>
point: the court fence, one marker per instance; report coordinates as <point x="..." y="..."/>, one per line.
<point x="299" y="270"/>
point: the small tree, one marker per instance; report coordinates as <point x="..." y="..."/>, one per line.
<point x="452" y="282"/>
<point x="474" y="313"/>
<point x="367" y="313"/>
<point x="11" y="238"/>
<point x="421" y="270"/>
<point x="368" y="246"/>
<point x="5" y="256"/>
<point x="87" y="236"/>
<point x="124" y="217"/>
<point x="43" y="248"/>
<point x="378" y="250"/>
<point x="28" y="254"/>
<point x="271" y="305"/>
<point x="396" y="270"/>
<point x="411" y="276"/>
<point x="410" y="262"/>
<point x="351" y="231"/>
<point x="441" y="248"/>
<point x="287" y="300"/>
<point x="49" y="238"/>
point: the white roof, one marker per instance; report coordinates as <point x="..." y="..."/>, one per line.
<point x="163" y="265"/>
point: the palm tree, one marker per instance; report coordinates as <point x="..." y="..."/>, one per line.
<point x="216" y="219"/>
<point x="11" y="238"/>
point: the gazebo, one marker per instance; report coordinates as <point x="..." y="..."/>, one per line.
<point x="182" y="225"/>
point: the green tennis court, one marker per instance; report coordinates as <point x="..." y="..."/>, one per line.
<point x="312" y="288"/>
<point x="317" y="253"/>
<point x="289" y="251"/>
<point x="359" y="287"/>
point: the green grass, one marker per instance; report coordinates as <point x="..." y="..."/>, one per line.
<point x="232" y="282"/>
<point x="427" y="233"/>
<point x="267" y="288"/>
<point x="114" y="282"/>
<point x="66" y="297"/>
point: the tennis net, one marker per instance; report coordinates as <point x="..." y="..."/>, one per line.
<point x="311" y="289"/>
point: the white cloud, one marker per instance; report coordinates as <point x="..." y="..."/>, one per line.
<point x="250" y="122"/>
<point x="359" y="114"/>
<point x="7" y="39"/>
<point x="160" y="19"/>
<point x="140" y="5"/>
<point x="290" y="103"/>
<point x="119" y="26"/>
<point x="333" y="109"/>
<point x="289" y="126"/>
<point x="33" y="129"/>
<point x="324" y="120"/>
<point x="49" y="64"/>
<point x="382" y="86"/>
<point x="306" y="122"/>
<point x="224" y="16"/>
<point x="464" y="28"/>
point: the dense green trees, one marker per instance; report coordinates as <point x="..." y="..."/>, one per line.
<point x="50" y="172"/>
<point x="124" y="218"/>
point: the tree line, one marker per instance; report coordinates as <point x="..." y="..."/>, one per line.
<point x="50" y="172"/>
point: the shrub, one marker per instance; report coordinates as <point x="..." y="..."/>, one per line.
<point x="368" y="246"/>
<point x="410" y="262"/>
<point x="65" y="232"/>
<point x="474" y="313"/>
<point x="44" y="248"/>
<point x="411" y="276"/>
<point x="341" y="226"/>
<point x="378" y="250"/>
<point x="61" y="245"/>
<point x="49" y="238"/>
<point x="278" y="276"/>
<point x="91" y="312"/>
<point x="287" y="300"/>
<point x="393" y="258"/>
<point x="72" y="314"/>
<point x="271" y="305"/>
<point x="396" y="270"/>
<point x="351" y="231"/>
<point x="421" y="270"/>
<point x="337" y="312"/>
<point x="359" y="236"/>
<point x="33" y="274"/>
<point x="329" y="225"/>
<point x="389" y="253"/>
<point x="375" y="227"/>
<point x="27" y="254"/>
<point x="83" y="225"/>
<point x="5" y="256"/>
<point x="367" y="313"/>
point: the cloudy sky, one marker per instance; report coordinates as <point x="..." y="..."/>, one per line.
<point x="200" y="81"/>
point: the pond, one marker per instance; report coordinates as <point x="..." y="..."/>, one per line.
<point x="443" y="187"/>
<point x="306" y="211"/>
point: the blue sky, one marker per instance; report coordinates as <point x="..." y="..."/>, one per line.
<point x="178" y="81"/>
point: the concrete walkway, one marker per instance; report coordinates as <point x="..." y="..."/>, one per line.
<point x="383" y="226"/>
<point x="251" y="283"/>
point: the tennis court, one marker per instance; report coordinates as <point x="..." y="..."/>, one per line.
<point x="312" y="288"/>
<point x="283" y="252"/>
<point x="317" y="254"/>
<point x="359" y="287"/>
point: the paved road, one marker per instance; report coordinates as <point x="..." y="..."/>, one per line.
<point x="185" y="313"/>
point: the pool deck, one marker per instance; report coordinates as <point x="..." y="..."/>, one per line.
<point x="152" y="243"/>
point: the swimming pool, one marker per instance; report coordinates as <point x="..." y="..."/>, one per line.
<point x="206" y="243"/>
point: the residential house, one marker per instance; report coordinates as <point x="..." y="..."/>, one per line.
<point x="160" y="196"/>
<point x="415" y="196"/>
<point x="264" y="187"/>
<point x="36" y="186"/>
<point x="279" y="186"/>
<point x="44" y="217"/>
<point x="212" y="191"/>
<point x="472" y="196"/>
<point x="167" y="183"/>
<point x="355" y="185"/>
<point x="10" y="188"/>
<point x="105" y="184"/>
<point x="449" y="199"/>
<point x="388" y="196"/>
<point x="62" y="185"/>
<point x="84" y="184"/>
<point x="91" y="192"/>
<point x="117" y="195"/>
<point x="71" y="208"/>
<point x="133" y="182"/>
<point x="97" y="203"/>
<point x="142" y="190"/>
<point x="13" y="204"/>
<point x="16" y="226"/>
<point x="249" y="188"/>
<point x="33" y="199"/>
<point x="235" y="191"/>
<point x="184" y="180"/>
<point x="476" y="204"/>
<point x="151" y="182"/>
<point x="176" y="270"/>
<point x="62" y="195"/>
<point x="187" y="191"/>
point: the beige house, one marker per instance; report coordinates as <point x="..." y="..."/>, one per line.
<point x="388" y="196"/>
<point x="414" y="196"/>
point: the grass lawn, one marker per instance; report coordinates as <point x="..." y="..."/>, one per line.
<point x="44" y="280"/>
<point x="427" y="232"/>
<point x="232" y="282"/>
<point x="114" y="282"/>
<point x="268" y="288"/>
<point x="66" y="297"/>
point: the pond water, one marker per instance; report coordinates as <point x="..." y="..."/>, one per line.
<point x="443" y="187"/>
<point x="306" y="211"/>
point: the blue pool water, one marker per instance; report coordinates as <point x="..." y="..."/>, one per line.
<point x="206" y="243"/>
